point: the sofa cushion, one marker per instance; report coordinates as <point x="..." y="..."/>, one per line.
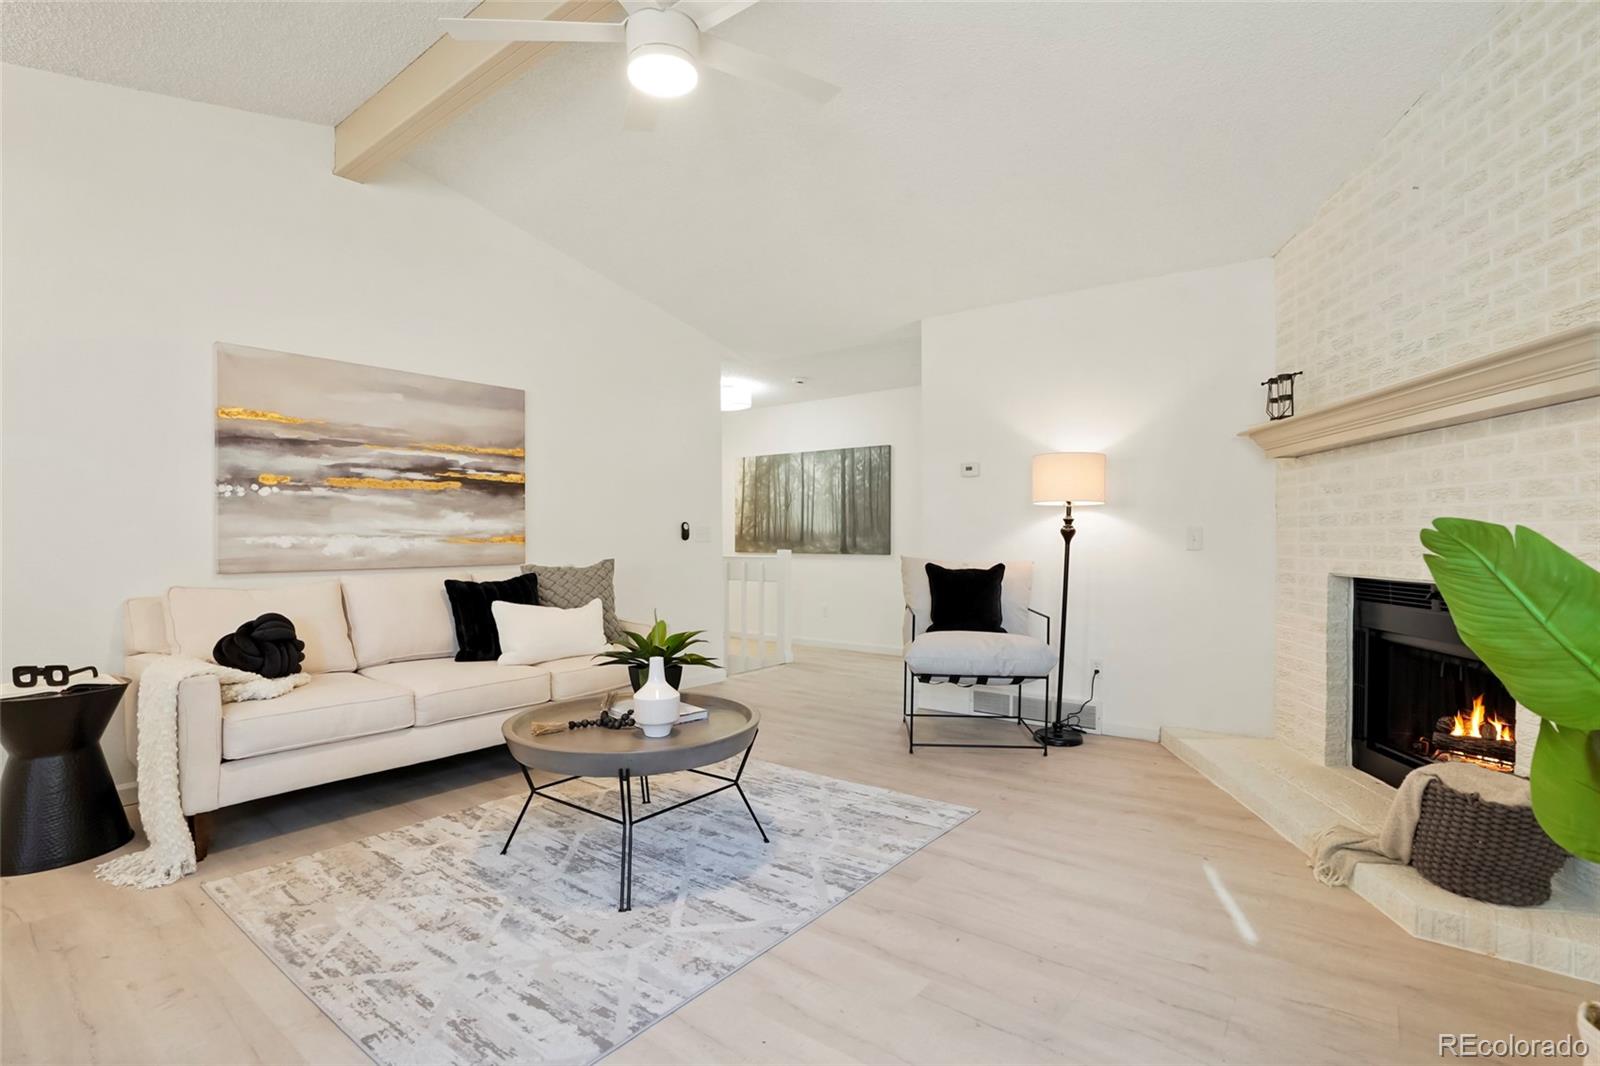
<point x="395" y="617"/>
<point x="530" y="634"/>
<point x="574" y="586"/>
<point x="584" y="675"/>
<point x="199" y="617"/>
<point x="962" y="653"/>
<point x="477" y="639"/>
<point x="446" y="690"/>
<point x="332" y="707"/>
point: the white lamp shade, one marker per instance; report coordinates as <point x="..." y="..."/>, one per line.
<point x="1069" y="477"/>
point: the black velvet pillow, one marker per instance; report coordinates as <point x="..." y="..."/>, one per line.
<point x="477" y="638"/>
<point x="965" y="599"/>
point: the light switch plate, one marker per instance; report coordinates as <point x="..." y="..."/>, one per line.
<point x="971" y="469"/>
<point x="1196" y="539"/>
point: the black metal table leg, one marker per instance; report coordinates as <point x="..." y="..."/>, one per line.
<point x="739" y="773"/>
<point x="627" y="821"/>
<point x="518" y="823"/>
<point x="625" y="886"/>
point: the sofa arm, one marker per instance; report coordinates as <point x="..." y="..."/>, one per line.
<point x="199" y="734"/>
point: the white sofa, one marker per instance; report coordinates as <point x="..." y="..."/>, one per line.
<point x="385" y="689"/>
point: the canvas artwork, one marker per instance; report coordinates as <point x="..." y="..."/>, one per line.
<point x="833" y="502"/>
<point x="327" y="465"/>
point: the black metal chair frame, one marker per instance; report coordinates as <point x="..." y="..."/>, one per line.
<point x="908" y="701"/>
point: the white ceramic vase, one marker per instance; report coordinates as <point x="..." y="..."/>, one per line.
<point x="655" y="705"/>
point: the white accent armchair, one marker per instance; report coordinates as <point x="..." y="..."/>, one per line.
<point x="966" y="658"/>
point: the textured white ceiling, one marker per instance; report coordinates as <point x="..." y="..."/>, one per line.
<point x="979" y="153"/>
<point x="312" y="61"/>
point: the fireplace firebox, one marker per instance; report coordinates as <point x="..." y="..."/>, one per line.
<point x="1420" y="695"/>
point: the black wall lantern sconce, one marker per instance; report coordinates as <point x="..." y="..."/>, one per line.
<point x="1280" y="395"/>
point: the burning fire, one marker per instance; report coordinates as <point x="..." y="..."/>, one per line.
<point x="1471" y="725"/>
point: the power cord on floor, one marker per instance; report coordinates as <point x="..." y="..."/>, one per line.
<point x="1071" y="720"/>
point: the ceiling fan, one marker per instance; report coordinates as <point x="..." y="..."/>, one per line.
<point x="667" y="43"/>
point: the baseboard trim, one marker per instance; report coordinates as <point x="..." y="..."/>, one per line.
<point x="845" y="645"/>
<point x="1130" y="732"/>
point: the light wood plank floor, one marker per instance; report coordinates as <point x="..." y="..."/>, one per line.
<point x="1070" y="921"/>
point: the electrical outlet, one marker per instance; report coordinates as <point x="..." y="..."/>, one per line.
<point x="1196" y="539"/>
<point x="1097" y="664"/>
<point x="824" y="611"/>
<point x="971" y="469"/>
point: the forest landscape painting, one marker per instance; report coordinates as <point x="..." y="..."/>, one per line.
<point x="328" y="465"/>
<point x="833" y="502"/>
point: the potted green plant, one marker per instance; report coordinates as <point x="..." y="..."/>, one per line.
<point x="1531" y="611"/>
<point x="671" y="648"/>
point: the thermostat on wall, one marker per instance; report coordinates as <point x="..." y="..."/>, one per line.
<point x="970" y="470"/>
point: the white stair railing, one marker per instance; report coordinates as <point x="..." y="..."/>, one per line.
<point x="756" y="598"/>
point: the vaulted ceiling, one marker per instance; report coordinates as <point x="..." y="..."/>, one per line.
<point x="978" y="152"/>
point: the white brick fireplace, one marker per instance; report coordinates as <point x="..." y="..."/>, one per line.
<point x="1475" y="228"/>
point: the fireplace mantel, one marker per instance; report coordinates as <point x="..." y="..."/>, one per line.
<point x="1552" y="370"/>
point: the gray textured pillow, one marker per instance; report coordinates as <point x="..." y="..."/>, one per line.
<point x="573" y="586"/>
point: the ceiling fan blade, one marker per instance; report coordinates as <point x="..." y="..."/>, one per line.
<point x="534" y="30"/>
<point x="710" y="13"/>
<point x="753" y="66"/>
<point x="641" y="112"/>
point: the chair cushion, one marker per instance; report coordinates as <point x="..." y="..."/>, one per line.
<point x="332" y="707"/>
<point x="584" y="675"/>
<point x="965" y="599"/>
<point x="395" y="617"/>
<point x="1016" y="589"/>
<point x="199" y="617"/>
<point x="966" y="654"/>
<point x="446" y="690"/>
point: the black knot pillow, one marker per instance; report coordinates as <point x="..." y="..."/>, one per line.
<point x="266" y="646"/>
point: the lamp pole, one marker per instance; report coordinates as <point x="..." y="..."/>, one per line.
<point x="1057" y="735"/>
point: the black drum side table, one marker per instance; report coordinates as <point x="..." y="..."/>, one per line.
<point x="58" y="804"/>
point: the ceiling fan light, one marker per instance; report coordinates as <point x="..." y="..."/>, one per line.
<point x="662" y="70"/>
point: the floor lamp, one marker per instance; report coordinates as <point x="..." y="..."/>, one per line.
<point x="1061" y="479"/>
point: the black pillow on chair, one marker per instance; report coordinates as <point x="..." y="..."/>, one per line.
<point x="477" y="637"/>
<point x="966" y="599"/>
<point x="266" y="646"/>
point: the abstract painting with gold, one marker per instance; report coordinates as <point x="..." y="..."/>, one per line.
<point x="327" y="465"/>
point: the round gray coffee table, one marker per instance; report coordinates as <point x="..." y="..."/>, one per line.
<point x="728" y="729"/>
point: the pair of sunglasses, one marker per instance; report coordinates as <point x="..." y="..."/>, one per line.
<point x="54" y="676"/>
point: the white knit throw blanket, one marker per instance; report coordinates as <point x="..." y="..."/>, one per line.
<point x="171" y="851"/>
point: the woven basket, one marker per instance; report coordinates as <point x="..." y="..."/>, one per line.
<point x="1489" y="851"/>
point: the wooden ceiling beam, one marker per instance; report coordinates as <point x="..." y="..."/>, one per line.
<point x="446" y="80"/>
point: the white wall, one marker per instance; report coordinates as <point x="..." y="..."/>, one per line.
<point x="140" y="229"/>
<point x="1160" y="375"/>
<point x="850" y="601"/>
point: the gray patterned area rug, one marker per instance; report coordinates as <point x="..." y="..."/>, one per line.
<point x="425" y="945"/>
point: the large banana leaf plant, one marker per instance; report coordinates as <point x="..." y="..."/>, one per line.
<point x="1531" y="611"/>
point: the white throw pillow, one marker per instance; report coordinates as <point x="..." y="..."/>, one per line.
<point x="530" y="634"/>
